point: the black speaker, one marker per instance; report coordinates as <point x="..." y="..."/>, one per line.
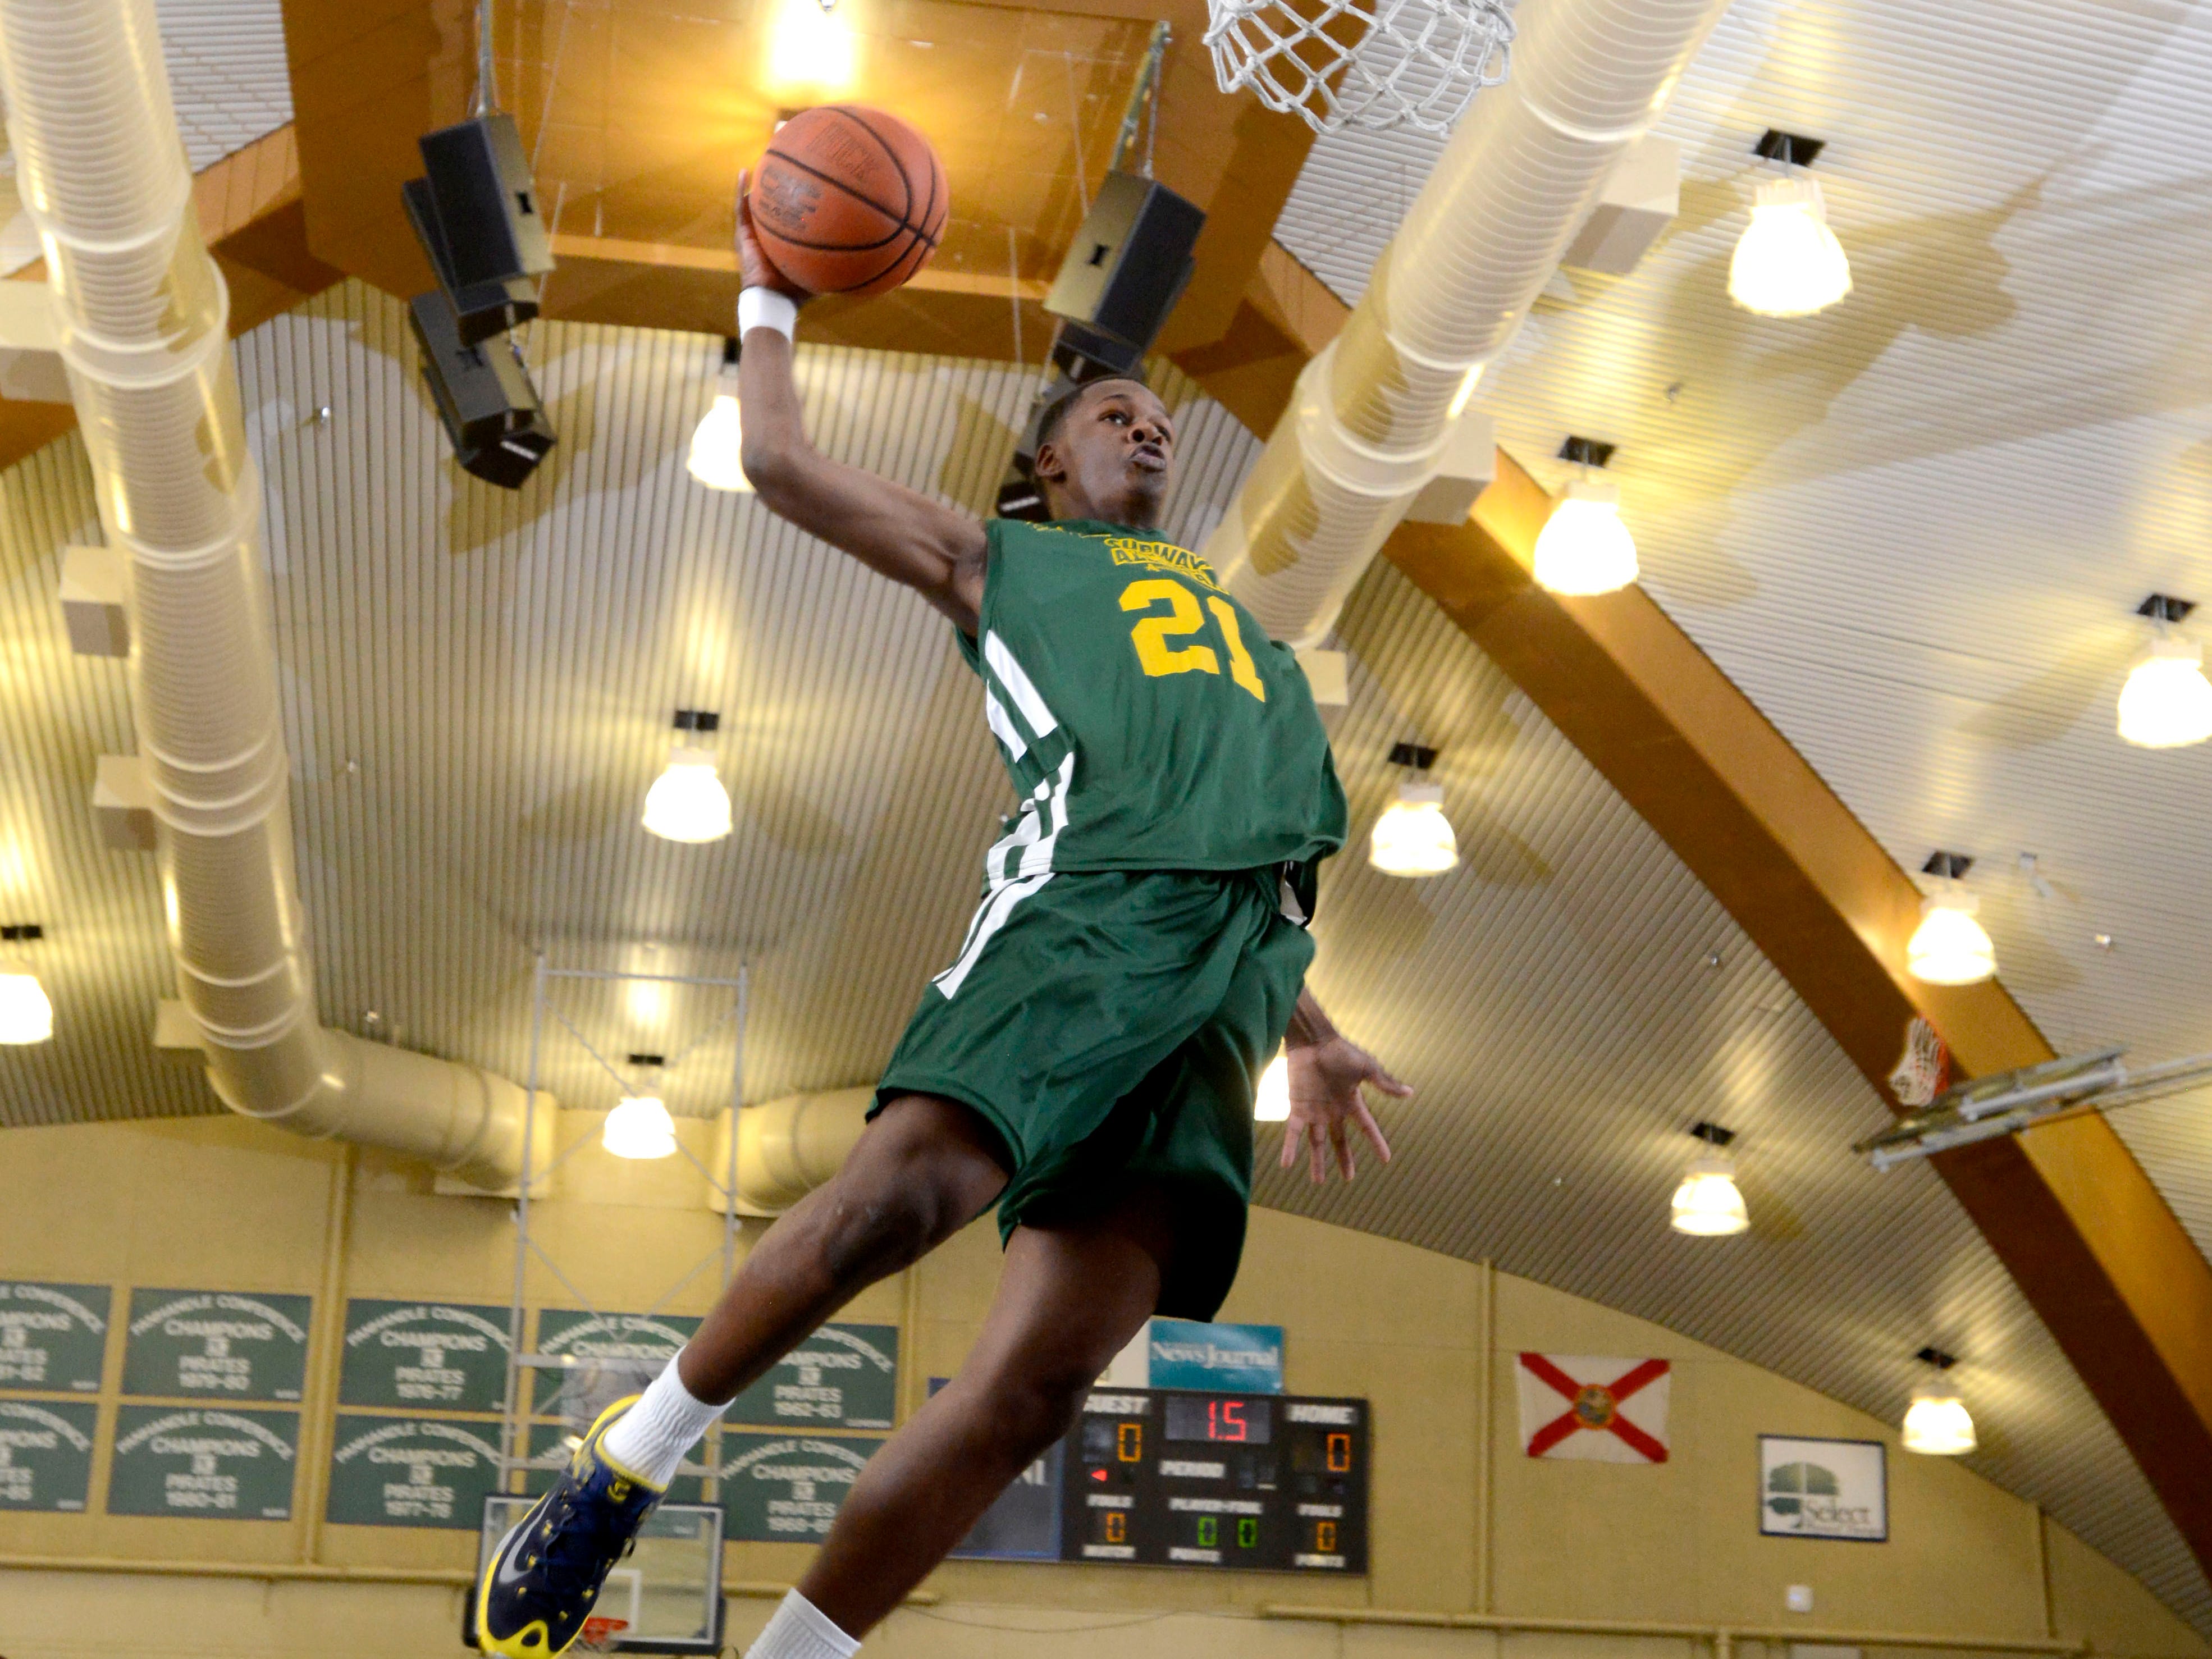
<point x="480" y="309"/>
<point x="491" y="411"/>
<point x="1128" y="265"/>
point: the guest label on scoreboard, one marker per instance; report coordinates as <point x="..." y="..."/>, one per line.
<point x="413" y="1356"/>
<point x="212" y="1465"/>
<point x="406" y="1472"/>
<point x="227" y="1345"/>
<point x="52" y="1336"/>
<point x="843" y="1377"/>
<point x="45" y="1454"/>
<point x="785" y="1489"/>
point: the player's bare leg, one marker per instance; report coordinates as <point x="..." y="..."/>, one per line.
<point x="923" y="1169"/>
<point x="1069" y="1299"/>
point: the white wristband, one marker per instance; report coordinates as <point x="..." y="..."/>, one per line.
<point x="763" y="307"/>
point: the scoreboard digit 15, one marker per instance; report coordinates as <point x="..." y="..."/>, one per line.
<point x="1267" y="1482"/>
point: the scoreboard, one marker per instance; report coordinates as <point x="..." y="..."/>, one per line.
<point x="1153" y="1477"/>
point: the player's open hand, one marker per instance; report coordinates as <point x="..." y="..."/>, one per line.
<point x="753" y="265"/>
<point x="1327" y="1079"/>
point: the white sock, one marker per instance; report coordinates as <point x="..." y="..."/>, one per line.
<point x="799" y="1630"/>
<point x="650" y="1438"/>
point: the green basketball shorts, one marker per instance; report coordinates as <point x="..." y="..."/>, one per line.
<point x="1110" y="1026"/>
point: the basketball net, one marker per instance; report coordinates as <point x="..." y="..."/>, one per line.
<point x="598" y="1635"/>
<point x="1371" y="63"/>
<point x="1923" y="1071"/>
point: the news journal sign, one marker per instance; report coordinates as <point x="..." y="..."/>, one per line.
<point x="216" y="1344"/>
<point x="1185" y="1353"/>
<point x="51" y="1336"/>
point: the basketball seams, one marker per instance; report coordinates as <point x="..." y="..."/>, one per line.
<point x="898" y="163"/>
<point x="920" y="240"/>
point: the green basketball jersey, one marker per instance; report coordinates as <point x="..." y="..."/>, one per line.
<point x="1146" y="721"/>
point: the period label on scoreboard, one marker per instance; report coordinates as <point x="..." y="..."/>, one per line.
<point x="218" y="1344"/>
<point x="414" y="1356"/>
<point x="408" y="1472"/>
<point x="211" y="1465"/>
<point x="45" y="1454"/>
<point x="52" y="1336"/>
<point x="1271" y="1483"/>
<point x="786" y="1488"/>
<point x="843" y="1377"/>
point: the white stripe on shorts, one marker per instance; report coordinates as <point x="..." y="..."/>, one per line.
<point x="997" y="906"/>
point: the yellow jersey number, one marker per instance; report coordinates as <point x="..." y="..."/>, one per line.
<point x="1152" y="633"/>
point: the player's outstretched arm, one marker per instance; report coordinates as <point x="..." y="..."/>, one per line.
<point x="1326" y="1074"/>
<point x="895" y="531"/>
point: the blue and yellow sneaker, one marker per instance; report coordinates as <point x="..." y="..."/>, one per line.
<point x="547" y="1571"/>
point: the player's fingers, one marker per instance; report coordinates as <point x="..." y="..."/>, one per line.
<point x="1293" y="1132"/>
<point x="1390" y="1086"/>
<point x="1318" y="1169"/>
<point x="1341" y="1146"/>
<point x="1373" y="1134"/>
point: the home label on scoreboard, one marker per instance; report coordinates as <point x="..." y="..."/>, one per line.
<point x="1265" y="1482"/>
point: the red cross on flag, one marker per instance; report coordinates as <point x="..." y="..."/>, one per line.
<point x="1613" y="1411"/>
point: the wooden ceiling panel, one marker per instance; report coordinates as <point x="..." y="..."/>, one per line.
<point x="639" y="115"/>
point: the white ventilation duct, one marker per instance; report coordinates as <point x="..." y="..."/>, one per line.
<point x="787" y="1148"/>
<point x="143" y="322"/>
<point x="1372" y="413"/>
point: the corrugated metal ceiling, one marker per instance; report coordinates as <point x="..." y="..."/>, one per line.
<point x="478" y="688"/>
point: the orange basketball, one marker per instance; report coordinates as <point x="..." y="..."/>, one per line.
<point x="848" y="200"/>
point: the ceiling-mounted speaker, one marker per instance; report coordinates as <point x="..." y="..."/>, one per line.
<point x="1128" y="263"/>
<point x="475" y="212"/>
<point x="491" y="411"/>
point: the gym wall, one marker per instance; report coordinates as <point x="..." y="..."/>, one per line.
<point x="1461" y="1519"/>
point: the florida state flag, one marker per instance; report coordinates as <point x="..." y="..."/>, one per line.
<point x="1580" y="1406"/>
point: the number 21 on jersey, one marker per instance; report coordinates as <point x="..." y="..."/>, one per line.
<point x="1152" y="633"/>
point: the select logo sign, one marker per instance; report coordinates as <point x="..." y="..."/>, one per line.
<point x="1836" y="1489"/>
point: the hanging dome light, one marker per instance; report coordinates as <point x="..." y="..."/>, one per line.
<point x="1413" y="838"/>
<point x="1949" y="947"/>
<point x="718" y="442"/>
<point x="1271" y="1101"/>
<point x="26" y="1014"/>
<point x="2167" y="702"/>
<point x="640" y="1127"/>
<point x="1788" y="263"/>
<point x="687" y="802"/>
<point x="1707" y="1205"/>
<point x="1936" y="1423"/>
<point x="1583" y="547"/>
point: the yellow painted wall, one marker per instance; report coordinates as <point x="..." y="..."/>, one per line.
<point x="1457" y="1519"/>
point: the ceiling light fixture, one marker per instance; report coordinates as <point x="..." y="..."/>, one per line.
<point x="718" y="442"/>
<point x="1949" y="946"/>
<point x="1937" y="1423"/>
<point x="1788" y="263"/>
<point x="27" y="1016"/>
<point x="638" y="1127"/>
<point x="1584" y="548"/>
<point x="1271" y="1101"/>
<point x="687" y="802"/>
<point x="1707" y="1205"/>
<point x="2167" y="702"/>
<point x="1413" y="838"/>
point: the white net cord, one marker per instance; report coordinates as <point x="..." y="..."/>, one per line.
<point x="1923" y="1071"/>
<point x="1371" y="64"/>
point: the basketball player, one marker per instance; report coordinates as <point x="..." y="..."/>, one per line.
<point x="1087" y="1061"/>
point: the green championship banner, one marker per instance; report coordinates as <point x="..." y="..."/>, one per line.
<point x="45" y="1454"/>
<point x="638" y="1339"/>
<point x="228" y="1346"/>
<point x="53" y="1337"/>
<point x="216" y="1465"/>
<point x="406" y="1472"/>
<point x="785" y="1489"/>
<point x="409" y="1355"/>
<point x="843" y="1377"/>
